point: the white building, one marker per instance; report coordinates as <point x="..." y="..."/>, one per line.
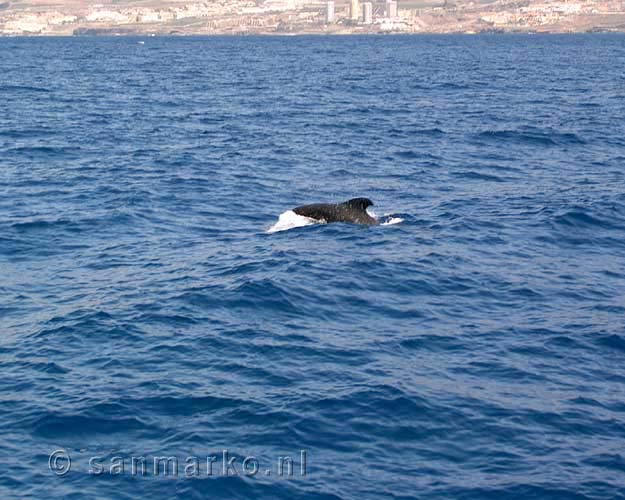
<point x="329" y="12"/>
<point x="108" y="16"/>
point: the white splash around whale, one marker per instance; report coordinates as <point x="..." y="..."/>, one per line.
<point x="290" y="220"/>
<point x="386" y="220"/>
<point x="392" y="220"/>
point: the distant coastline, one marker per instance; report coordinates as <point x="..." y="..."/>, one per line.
<point x="306" y="17"/>
<point x="310" y="33"/>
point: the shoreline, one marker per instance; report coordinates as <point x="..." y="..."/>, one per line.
<point x="316" y="34"/>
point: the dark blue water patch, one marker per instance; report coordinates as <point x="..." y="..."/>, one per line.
<point x="43" y="367"/>
<point x="239" y="488"/>
<point x="611" y="461"/>
<point x="541" y="490"/>
<point x="407" y="154"/>
<point x="87" y="327"/>
<point x="613" y="341"/>
<point x="580" y="218"/>
<point x="500" y="372"/>
<point x="610" y="308"/>
<point x="57" y="426"/>
<point x="245" y="296"/>
<point x="188" y="405"/>
<point x="470" y="351"/>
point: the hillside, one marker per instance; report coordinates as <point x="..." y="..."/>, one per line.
<point x="188" y="17"/>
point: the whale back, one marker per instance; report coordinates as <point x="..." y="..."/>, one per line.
<point x="354" y="211"/>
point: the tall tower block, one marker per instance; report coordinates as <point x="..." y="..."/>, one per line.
<point x="329" y="12"/>
<point x="367" y="12"/>
<point x="355" y="11"/>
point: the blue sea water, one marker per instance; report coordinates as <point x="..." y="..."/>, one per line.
<point x="474" y="350"/>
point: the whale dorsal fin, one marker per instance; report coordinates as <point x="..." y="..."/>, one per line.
<point x="361" y="203"/>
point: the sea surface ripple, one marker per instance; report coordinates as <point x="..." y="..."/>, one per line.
<point x="475" y="350"/>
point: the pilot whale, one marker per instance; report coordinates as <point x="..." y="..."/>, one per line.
<point x="353" y="211"/>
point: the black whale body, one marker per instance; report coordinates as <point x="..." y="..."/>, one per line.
<point x="353" y="211"/>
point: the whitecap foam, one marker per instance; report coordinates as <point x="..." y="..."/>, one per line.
<point x="290" y="220"/>
<point x="392" y="220"/>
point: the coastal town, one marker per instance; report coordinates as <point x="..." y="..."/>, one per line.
<point x="219" y="17"/>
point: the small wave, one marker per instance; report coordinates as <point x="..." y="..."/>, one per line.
<point x="403" y="131"/>
<point x="290" y="220"/>
<point x="533" y="136"/>
<point x="45" y="151"/>
<point x="407" y="154"/>
<point x="23" y="88"/>
<point x="26" y="133"/>
<point x="428" y="131"/>
<point x="477" y="176"/>
<point x="341" y="172"/>
<point x="41" y="224"/>
<point x="581" y="218"/>
<point x="55" y="425"/>
<point x="452" y="85"/>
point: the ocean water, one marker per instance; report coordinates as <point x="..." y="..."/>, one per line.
<point x="476" y="349"/>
